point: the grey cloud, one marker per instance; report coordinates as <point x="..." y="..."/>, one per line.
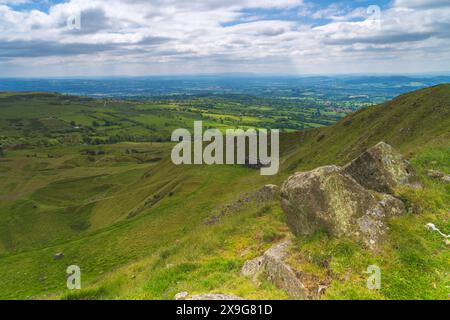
<point x="382" y="38"/>
<point x="151" y="40"/>
<point x="92" y="21"/>
<point x="33" y="49"/>
<point x="271" y="32"/>
<point x="36" y="48"/>
<point x="423" y="4"/>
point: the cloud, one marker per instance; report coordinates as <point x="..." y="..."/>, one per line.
<point x="176" y="36"/>
<point x="35" y="48"/>
<point x="422" y="4"/>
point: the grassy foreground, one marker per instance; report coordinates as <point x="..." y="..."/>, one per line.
<point x="139" y="227"/>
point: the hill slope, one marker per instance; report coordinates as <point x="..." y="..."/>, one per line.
<point x="410" y="123"/>
<point x="142" y="229"/>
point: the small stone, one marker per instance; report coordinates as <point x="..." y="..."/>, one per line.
<point x="216" y="296"/>
<point x="182" y="296"/>
<point x="321" y="290"/>
<point x="58" y="256"/>
<point x="434" y="174"/>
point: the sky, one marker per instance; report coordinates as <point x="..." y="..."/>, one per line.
<point x="166" y="37"/>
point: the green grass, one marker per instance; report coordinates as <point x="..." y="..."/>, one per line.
<point x="137" y="225"/>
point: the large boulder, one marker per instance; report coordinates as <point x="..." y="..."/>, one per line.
<point x="382" y="169"/>
<point x="328" y="199"/>
<point x="325" y="198"/>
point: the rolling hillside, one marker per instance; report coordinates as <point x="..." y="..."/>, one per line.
<point x="141" y="228"/>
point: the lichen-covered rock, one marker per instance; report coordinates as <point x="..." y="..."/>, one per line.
<point x="330" y="200"/>
<point x="382" y="169"/>
<point x="206" y="297"/>
<point x="268" y="193"/>
<point x="325" y="198"/>
<point x="392" y="206"/>
<point x="439" y="175"/>
<point x="281" y="274"/>
<point x="273" y="266"/>
<point x="252" y="267"/>
<point x="373" y="226"/>
<point x="215" y="296"/>
<point x="182" y="296"/>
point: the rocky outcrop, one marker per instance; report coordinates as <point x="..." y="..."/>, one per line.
<point x="206" y="297"/>
<point x="251" y="268"/>
<point x="262" y="196"/>
<point x="382" y="169"/>
<point x="281" y="274"/>
<point x="332" y="198"/>
<point x="326" y="199"/>
<point x="268" y="193"/>
<point x="443" y="177"/>
<point x="273" y="266"/>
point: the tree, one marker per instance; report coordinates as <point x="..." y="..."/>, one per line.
<point x="2" y="153"/>
<point x="95" y="124"/>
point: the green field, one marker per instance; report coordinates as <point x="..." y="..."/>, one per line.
<point x="44" y="120"/>
<point x="93" y="179"/>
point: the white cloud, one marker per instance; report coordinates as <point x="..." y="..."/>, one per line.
<point x="174" y="36"/>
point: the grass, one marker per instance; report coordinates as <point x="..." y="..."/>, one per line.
<point x="137" y="225"/>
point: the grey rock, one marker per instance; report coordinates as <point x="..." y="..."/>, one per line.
<point x="211" y="296"/>
<point x="182" y="296"/>
<point x="281" y="274"/>
<point x="277" y="270"/>
<point x="382" y="169"/>
<point x="324" y="199"/>
<point x="252" y="267"/>
<point x="268" y="193"/>
<point x="439" y="175"/>
<point x="328" y="199"/>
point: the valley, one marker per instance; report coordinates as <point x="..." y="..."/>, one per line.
<point x="93" y="179"/>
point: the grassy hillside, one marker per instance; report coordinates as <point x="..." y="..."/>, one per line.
<point x="410" y="122"/>
<point x="139" y="227"/>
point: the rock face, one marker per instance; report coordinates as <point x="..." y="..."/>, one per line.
<point x="382" y="169"/>
<point x="273" y="266"/>
<point x="439" y="175"/>
<point x="329" y="199"/>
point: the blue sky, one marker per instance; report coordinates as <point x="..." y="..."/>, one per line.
<point x="163" y="37"/>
